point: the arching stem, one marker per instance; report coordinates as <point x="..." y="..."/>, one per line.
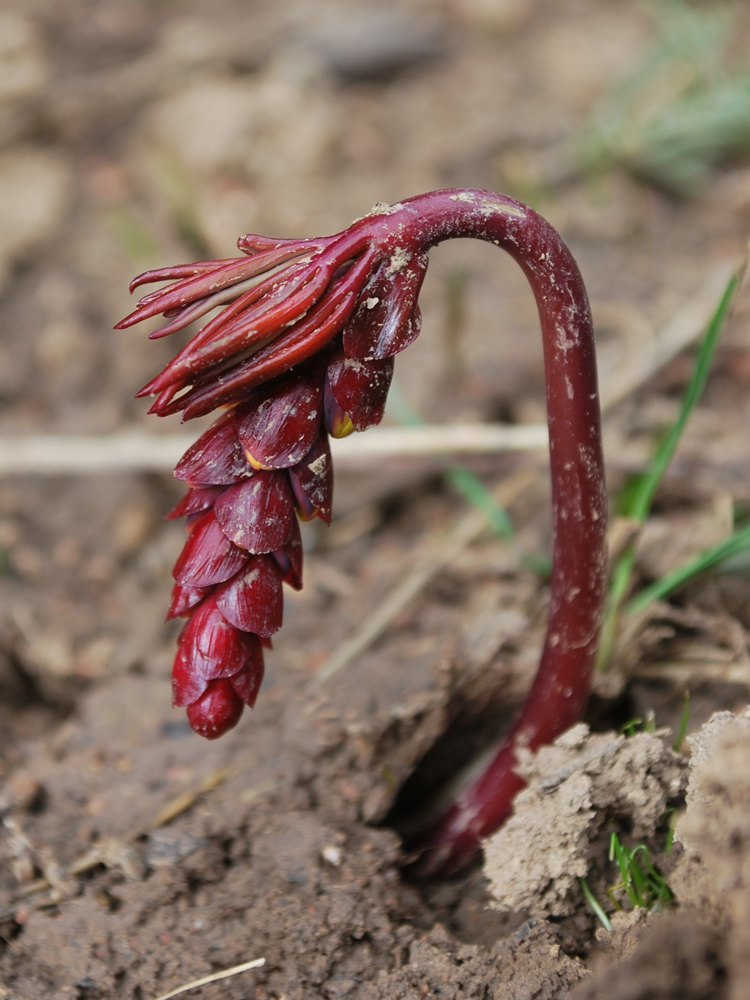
<point x="579" y="504"/>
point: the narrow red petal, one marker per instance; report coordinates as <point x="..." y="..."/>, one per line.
<point x="177" y="272"/>
<point x="252" y="600"/>
<point x="285" y="299"/>
<point x="386" y="320"/>
<point x="295" y="345"/>
<point x="187" y="290"/>
<point x="207" y="333"/>
<point x="217" y="710"/>
<point x="312" y="480"/>
<point x="216" y="458"/>
<point x="208" y="556"/>
<point x="360" y="387"/>
<point x="206" y="282"/>
<point x="257" y="514"/>
<point x="304" y="340"/>
<point x="253" y="244"/>
<point x="163" y="398"/>
<point x="279" y="423"/>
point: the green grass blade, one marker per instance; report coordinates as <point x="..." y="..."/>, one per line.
<point x="669" y="841"/>
<point x="593" y="902"/>
<point x="706" y="560"/>
<point x="639" y="878"/>
<point x="642" y="494"/>
<point x="471" y="489"/>
<point x="683" y="724"/>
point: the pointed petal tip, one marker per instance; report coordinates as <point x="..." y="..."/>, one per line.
<point x="132" y="319"/>
<point x="140" y="279"/>
<point x="150" y="388"/>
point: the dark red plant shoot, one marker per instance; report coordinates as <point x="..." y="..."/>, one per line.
<point x="303" y="348"/>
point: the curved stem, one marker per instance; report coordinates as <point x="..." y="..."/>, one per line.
<point x="579" y="503"/>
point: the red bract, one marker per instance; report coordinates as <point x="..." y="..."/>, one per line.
<point x="257" y="514"/>
<point x="252" y="600"/>
<point x="387" y="319"/>
<point x="360" y="388"/>
<point x="279" y="422"/>
<point x="208" y="556"/>
<point x="216" y="458"/>
<point x="303" y="347"/>
<point x="312" y="481"/>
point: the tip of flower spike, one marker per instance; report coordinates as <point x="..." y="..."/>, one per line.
<point x="147" y="390"/>
<point x="216" y="711"/>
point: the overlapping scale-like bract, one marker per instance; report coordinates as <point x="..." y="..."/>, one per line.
<point x="243" y="542"/>
<point x="301" y="350"/>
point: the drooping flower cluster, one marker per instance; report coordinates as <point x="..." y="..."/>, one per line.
<point x="302" y="349"/>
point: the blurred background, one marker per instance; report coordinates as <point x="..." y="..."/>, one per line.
<point x="141" y="133"/>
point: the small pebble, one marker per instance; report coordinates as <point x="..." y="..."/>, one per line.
<point x="378" y="45"/>
<point x="332" y="855"/>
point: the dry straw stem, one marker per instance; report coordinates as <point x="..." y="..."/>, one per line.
<point x="48" y="454"/>
<point x="62" y="455"/>
<point x="213" y="978"/>
<point x="181" y="803"/>
<point x="688" y="673"/>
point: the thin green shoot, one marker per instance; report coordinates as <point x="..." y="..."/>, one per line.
<point x="643" y="885"/>
<point x="595" y="905"/>
<point x="679" y="738"/>
<point x="643" y="496"/>
<point x="460" y="478"/>
<point x="642" y="493"/>
<point x="633" y="726"/>
<point x="671" y="816"/>
<point x="466" y="483"/>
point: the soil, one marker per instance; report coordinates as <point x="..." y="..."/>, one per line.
<point x="136" y="857"/>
